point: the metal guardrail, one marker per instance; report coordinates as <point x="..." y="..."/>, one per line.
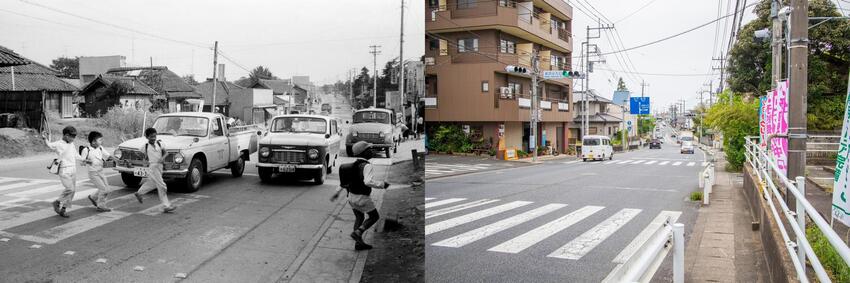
<point x="706" y="176"/>
<point x="641" y="266"/>
<point x="771" y="179"/>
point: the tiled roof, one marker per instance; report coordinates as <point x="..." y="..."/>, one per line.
<point x="599" y="117"/>
<point x="577" y="95"/>
<point x="279" y="86"/>
<point x="136" y="86"/>
<point x="32" y="77"/>
<point x="159" y="78"/>
<point x="10" y="58"/>
<point x="223" y="91"/>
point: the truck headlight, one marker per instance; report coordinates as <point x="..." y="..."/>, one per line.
<point x="117" y="154"/>
<point x="178" y="158"/>
<point x="353" y="134"/>
<point x="264" y="151"/>
<point x="313" y="153"/>
<point x="381" y="134"/>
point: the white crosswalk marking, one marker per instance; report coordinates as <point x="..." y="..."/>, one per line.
<point x="626" y="162"/>
<point x="427" y="199"/>
<point x="638" y="161"/>
<point x="157" y="209"/>
<point x="532" y="237"/>
<point x="704" y="163"/>
<point x="443" y="202"/>
<point x="483" y="232"/>
<point x="433" y="169"/>
<point x="650" y="162"/>
<point x="61" y="232"/>
<point x="646" y="233"/>
<point x="456" y="208"/>
<point x="663" y="162"/>
<point x="23" y="184"/>
<point x="34" y="192"/>
<point x="691" y="163"/>
<point x="677" y="163"/>
<point x="9" y="219"/>
<point x="580" y="246"/>
<point x="446" y="224"/>
<point x="571" y="162"/>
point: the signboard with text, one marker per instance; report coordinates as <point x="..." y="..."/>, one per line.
<point x="775" y="118"/>
<point x="639" y="105"/>
<point x="840" y="205"/>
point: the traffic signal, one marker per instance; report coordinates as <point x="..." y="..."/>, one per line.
<point x="516" y="69"/>
<point x="570" y="74"/>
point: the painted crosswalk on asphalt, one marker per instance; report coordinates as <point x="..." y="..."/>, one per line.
<point x="27" y="201"/>
<point x="434" y="169"/>
<point x="518" y="216"/>
<point x="642" y="162"/>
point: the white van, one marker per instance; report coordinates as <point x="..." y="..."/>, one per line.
<point x="596" y="147"/>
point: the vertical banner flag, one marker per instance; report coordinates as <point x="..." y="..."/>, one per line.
<point x="762" y="128"/>
<point x="775" y="118"/>
<point x="840" y="206"/>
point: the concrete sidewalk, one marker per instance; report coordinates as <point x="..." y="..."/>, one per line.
<point x="722" y="246"/>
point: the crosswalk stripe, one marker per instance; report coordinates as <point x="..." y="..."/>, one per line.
<point x="38" y="191"/>
<point x="427" y="199"/>
<point x="677" y="163"/>
<point x="67" y="230"/>
<point x="580" y="246"/>
<point x="704" y="163"/>
<point x="663" y="162"/>
<point x="157" y="209"/>
<point x="533" y="237"/>
<point x="446" y="224"/>
<point x="626" y="162"/>
<point x="23" y="184"/>
<point x="650" y="162"/>
<point x="456" y="208"/>
<point x="483" y="232"/>
<point x="443" y="202"/>
<point x="638" y="161"/>
<point x="644" y="235"/>
<point x="571" y="162"/>
<point x="691" y="163"/>
<point x="9" y="219"/>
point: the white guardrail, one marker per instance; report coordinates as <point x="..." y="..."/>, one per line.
<point x="641" y="266"/>
<point x="770" y="179"/>
<point x="706" y="176"/>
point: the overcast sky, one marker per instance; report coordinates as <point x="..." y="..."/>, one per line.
<point x="320" y="38"/>
<point x="690" y="53"/>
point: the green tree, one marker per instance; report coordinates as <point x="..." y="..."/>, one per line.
<point x="362" y="89"/>
<point x="737" y="118"/>
<point x="750" y="65"/>
<point x="621" y="85"/>
<point x="67" y="67"/>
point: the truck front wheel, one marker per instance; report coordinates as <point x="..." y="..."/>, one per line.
<point x="130" y="180"/>
<point x="320" y="176"/>
<point x="388" y="151"/>
<point x="265" y="174"/>
<point x="348" y="151"/>
<point x="195" y="176"/>
<point x="237" y="167"/>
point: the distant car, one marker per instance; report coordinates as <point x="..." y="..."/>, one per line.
<point x="326" y="107"/>
<point x="655" y="143"/>
<point x="300" y="146"/>
<point x="687" y="147"/>
<point x="596" y="147"/>
<point x="376" y="126"/>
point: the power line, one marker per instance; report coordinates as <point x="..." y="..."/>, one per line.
<point x="662" y="74"/>
<point x="635" y="12"/>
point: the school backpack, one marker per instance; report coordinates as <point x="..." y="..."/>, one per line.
<point x="160" y="148"/>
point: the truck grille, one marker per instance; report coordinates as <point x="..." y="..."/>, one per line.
<point x="370" y="137"/>
<point x="288" y="156"/>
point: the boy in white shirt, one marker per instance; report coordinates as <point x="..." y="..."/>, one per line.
<point x="95" y="156"/>
<point x="68" y="157"/>
<point x="155" y="153"/>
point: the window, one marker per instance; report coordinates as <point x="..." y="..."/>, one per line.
<point x="467" y="44"/>
<point x="299" y="125"/>
<point x="217" y="131"/>
<point x="516" y="87"/>
<point x="466" y="4"/>
<point x="485" y="86"/>
<point x="433" y="44"/>
<point x="555" y="61"/>
<point x="507" y="46"/>
<point x="444" y="47"/>
<point x="591" y="141"/>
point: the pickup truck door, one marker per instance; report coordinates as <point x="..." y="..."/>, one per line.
<point x="221" y="145"/>
<point x="334" y="140"/>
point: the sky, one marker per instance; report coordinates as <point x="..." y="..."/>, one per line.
<point x="323" y="39"/>
<point x="642" y="21"/>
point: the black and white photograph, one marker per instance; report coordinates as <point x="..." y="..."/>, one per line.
<point x="211" y="141"/>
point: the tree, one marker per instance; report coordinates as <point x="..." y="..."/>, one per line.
<point x="67" y="67"/>
<point x="750" y="65"/>
<point x="190" y="79"/>
<point x="255" y="76"/>
<point x="621" y="85"/>
<point x="362" y="86"/>
<point x="737" y="118"/>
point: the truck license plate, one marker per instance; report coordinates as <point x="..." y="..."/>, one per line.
<point x="140" y="172"/>
<point x="288" y="168"/>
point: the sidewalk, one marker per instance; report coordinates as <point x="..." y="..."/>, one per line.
<point x="722" y="246"/>
<point x="330" y="255"/>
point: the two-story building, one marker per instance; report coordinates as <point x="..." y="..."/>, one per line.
<point x="599" y="114"/>
<point x="468" y="45"/>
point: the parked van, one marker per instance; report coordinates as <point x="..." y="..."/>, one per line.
<point x="596" y="147"/>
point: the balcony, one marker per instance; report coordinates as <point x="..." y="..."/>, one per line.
<point x="507" y="16"/>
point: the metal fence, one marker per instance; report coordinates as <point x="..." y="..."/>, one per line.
<point x="641" y="266"/>
<point x="771" y="179"/>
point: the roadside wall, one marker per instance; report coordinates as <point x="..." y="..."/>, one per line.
<point x="776" y="256"/>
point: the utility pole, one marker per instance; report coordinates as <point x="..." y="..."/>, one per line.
<point x="350" y="86"/>
<point x="535" y="105"/>
<point x="722" y="69"/>
<point x="375" y="53"/>
<point x="401" y="64"/>
<point x="215" y="79"/>
<point x="586" y="103"/>
<point x="798" y="76"/>
<point x="776" y="43"/>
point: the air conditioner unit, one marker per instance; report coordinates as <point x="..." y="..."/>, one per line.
<point x="506" y="92"/>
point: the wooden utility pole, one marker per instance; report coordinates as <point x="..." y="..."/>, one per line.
<point x="215" y="79"/>
<point x="401" y="65"/>
<point x="798" y="76"/>
<point x="776" y="44"/>
<point x="375" y="53"/>
<point x="535" y="105"/>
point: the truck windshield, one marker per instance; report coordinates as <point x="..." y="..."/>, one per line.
<point x="371" y="117"/>
<point x="299" y="125"/>
<point x="182" y="126"/>
<point x="687" y="138"/>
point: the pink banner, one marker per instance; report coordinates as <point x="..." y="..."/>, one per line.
<point x="775" y="119"/>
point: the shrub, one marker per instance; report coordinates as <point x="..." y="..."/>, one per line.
<point x="833" y="263"/>
<point x="127" y="121"/>
<point x="736" y="118"/>
<point x="450" y="138"/>
<point x="696" y="196"/>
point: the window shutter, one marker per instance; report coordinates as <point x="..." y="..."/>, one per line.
<point x="460" y="45"/>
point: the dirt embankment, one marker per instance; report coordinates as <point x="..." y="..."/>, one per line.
<point x="20" y="142"/>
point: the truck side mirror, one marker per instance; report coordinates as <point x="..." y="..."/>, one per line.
<point x="327" y="136"/>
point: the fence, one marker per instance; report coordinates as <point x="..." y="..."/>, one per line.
<point x="771" y="180"/>
<point x="641" y="265"/>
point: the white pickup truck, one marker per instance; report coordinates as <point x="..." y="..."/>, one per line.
<point x="196" y="143"/>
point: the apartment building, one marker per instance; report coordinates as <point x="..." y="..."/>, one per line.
<point x="469" y="44"/>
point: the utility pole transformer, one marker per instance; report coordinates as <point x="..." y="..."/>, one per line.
<point x="798" y="66"/>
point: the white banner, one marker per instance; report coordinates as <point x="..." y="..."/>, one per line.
<point x="840" y="206"/>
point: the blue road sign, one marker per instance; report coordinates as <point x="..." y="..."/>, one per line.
<point x="639" y="105"/>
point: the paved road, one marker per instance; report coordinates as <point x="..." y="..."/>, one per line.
<point x="232" y="230"/>
<point x="557" y="221"/>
